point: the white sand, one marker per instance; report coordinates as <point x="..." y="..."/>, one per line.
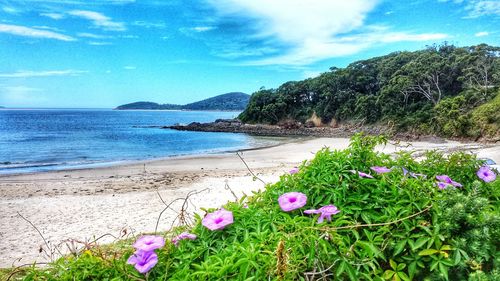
<point x="83" y="204"/>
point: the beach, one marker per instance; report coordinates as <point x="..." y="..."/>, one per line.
<point x="123" y="200"/>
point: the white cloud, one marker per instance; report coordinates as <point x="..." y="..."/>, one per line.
<point x="99" y="20"/>
<point x="129" y="67"/>
<point x="202" y="28"/>
<point x="93" y="36"/>
<point x="482" y="33"/>
<point x="32" y="32"/>
<point x="54" y="16"/>
<point x="296" y="21"/>
<point x="478" y="8"/>
<point x="45" y="73"/>
<point x="482" y="8"/>
<point x="10" y="10"/>
<point x="20" y="95"/>
<point x="96" y="43"/>
<point x="148" y="24"/>
<point x="308" y="31"/>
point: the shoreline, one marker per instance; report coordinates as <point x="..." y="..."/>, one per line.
<point x="82" y="204"/>
<point x="102" y="165"/>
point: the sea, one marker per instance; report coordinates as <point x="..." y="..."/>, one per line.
<point x="39" y="140"/>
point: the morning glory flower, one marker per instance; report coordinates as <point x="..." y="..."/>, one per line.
<point x="149" y="243"/>
<point x="143" y="261"/>
<point x="414" y="175"/>
<point x="182" y="236"/>
<point x="325" y="211"/>
<point x="292" y="200"/>
<point x="443" y="185"/>
<point x="294" y="171"/>
<point x="404" y="171"/>
<point x="448" y="180"/>
<point x="361" y="174"/>
<point x="486" y="174"/>
<point x="380" y="170"/>
<point x="218" y="219"/>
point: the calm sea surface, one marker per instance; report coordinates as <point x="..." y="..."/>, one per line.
<point x="45" y="139"/>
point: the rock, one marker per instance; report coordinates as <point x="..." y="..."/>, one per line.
<point x="309" y="124"/>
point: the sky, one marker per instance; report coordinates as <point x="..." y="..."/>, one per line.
<point x="103" y="53"/>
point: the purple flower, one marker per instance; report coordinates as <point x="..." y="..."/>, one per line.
<point x="245" y="206"/>
<point x="143" y="261"/>
<point x="294" y="171"/>
<point x="325" y="211"/>
<point x="414" y="175"/>
<point x="361" y="174"/>
<point x="218" y="219"/>
<point x="404" y="171"/>
<point x="486" y="174"/>
<point x="380" y="170"/>
<point x="148" y="243"/>
<point x="448" y="180"/>
<point x="292" y="200"/>
<point x="443" y="185"/>
<point x="182" y="236"/>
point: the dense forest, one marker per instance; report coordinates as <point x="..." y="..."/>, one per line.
<point x="444" y="90"/>
<point x="229" y="101"/>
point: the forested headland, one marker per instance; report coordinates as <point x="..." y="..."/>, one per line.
<point x="442" y="90"/>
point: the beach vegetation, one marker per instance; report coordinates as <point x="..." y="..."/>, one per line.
<point x="329" y="220"/>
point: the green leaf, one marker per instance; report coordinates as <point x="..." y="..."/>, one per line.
<point x="401" y="266"/>
<point x="399" y="247"/>
<point x="412" y="268"/>
<point x="419" y="243"/>
<point x="340" y="269"/>
<point x="351" y="272"/>
<point x="444" y="270"/>
<point x="393" y="264"/>
<point x="427" y="252"/>
<point x="403" y="276"/>
<point x="446" y="248"/>
<point x="388" y="274"/>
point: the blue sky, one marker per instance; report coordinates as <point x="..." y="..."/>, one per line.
<point x="103" y="53"/>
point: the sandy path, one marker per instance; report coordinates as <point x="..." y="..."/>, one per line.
<point x="82" y="204"/>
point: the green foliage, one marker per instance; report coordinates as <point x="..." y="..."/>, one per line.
<point x="392" y="227"/>
<point x="413" y="90"/>
<point x="487" y="118"/>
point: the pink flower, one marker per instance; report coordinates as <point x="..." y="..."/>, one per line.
<point x="294" y="171"/>
<point x="182" y="236"/>
<point x="361" y="174"/>
<point x="143" y="261"/>
<point x="380" y="170"/>
<point x="486" y="174"/>
<point x="292" y="200"/>
<point x="148" y="243"/>
<point x="218" y="219"/>
<point x="325" y="211"/>
<point x="448" y="180"/>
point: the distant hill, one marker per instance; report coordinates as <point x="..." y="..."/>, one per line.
<point x="229" y="101"/>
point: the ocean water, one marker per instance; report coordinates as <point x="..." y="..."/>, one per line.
<point x="55" y="139"/>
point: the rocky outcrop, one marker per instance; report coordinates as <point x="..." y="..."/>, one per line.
<point x="235" y="126"/>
